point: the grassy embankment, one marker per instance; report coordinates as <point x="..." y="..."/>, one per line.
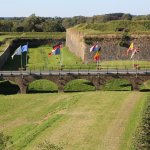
<point x="134" y="27"/>
<point x="90" y="120"/>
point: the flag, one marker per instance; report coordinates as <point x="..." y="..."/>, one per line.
<point x="97" y="56"/>
<point x="56" y="50"/>
<point x="24" y="48"/>
<point x="17" y="52"/>
<point x="95" y="48"/>
<point x="131" y="48"/>
<point x="134" y="52"/>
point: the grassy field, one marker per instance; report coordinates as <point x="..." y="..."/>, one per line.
<point x="74" y="121"/>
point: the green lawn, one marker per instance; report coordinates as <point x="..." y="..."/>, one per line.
<point x="75" y="121"/>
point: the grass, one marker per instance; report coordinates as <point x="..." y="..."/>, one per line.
<point x="42" y="86"/>
<point x="38" y="58"/>
<point x="117" y="85"/>
<point x="79" y="85"/>
<point x="41" y="35"/>
<point x="142" y="139"/>
<point x="134" y="121"/>
<point x="124" y="64"/>
<point x="72" y="120"/>
<point x="138" y="27"/>
<point x="145" y="86"/>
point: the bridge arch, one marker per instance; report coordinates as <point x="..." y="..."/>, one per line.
<point x="117" y="84"/>
<point x="79" y="85"/>
<point x="8" y="87"/>
<point x="42" y="86"/>
<point x="145" y="86"/>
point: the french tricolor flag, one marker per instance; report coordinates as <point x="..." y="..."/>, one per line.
<point x="94" y="48"/>
<point x="56" y="50"/>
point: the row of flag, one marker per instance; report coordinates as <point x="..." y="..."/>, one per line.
<point x="20" y="50"/>
<point x="56" y="50"/>
<point x="97" y="48"/>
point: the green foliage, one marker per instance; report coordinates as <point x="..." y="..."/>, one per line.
<point x="145" y="86"/>
<point x="114" y="26"/>
<point x="117" y="85"/>
<point x="142" y="139"/>
<point x="49" y="146"/>
<point x="5" y="141"/>
<point x="125" y="40"/>
<point x="79" y="85"/>
<point x="42" y="86"/>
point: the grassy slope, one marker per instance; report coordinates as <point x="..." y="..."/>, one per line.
<point x="76" y="120"/>
<point x="142" y="26"/>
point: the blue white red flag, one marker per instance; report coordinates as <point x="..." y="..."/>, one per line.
<point x="55" y="50"/>
<point x="95" y="47"/>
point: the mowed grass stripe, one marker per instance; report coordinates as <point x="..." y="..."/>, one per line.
<point x="87" y="122"/>
<point x="77" y="120"/>
<point x="39" y="59"/>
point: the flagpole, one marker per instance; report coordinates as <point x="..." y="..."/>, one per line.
<point x="62" y="54"/>
<point x="61" y="58"/>
<point x="26" y="59"/>
<point x="26" y="55"/>
<point x="21" y="60"/>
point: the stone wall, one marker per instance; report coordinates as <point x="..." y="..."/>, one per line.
<point x="110" y="47"/>
<point x="4" y="56"/>
<point x="75" y="42"/>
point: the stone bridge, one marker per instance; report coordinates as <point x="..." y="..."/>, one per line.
<point x="98" y="80"/>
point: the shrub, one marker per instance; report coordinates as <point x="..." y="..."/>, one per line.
<point x="42" y="86"/>
<point x="79" y="85"/>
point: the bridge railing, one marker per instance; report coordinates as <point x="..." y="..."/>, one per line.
<point x="81" y="70"/>
<point x="88" y="67"/>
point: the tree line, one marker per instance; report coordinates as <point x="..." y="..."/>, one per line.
<point x="35" y="23"/>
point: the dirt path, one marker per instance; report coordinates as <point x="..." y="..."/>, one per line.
<point x="111" y="140"/>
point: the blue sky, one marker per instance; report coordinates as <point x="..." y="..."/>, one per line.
<point x="69" y="8"/>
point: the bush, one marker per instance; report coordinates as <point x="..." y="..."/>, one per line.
<point x="79" y="85"/>
<point x="42" y="86"/>
<point x="142" y="139"/>
<point x="117" y="85"/>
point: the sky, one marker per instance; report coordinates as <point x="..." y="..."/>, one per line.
<point x="70" y="8"/>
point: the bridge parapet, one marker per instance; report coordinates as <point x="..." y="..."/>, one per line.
<point x="62" y="78"/>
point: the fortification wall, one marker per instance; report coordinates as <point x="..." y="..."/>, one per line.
<point x="4" y="56"/>
<point x="75" y="42"/>
<point x="110" y="46"/>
